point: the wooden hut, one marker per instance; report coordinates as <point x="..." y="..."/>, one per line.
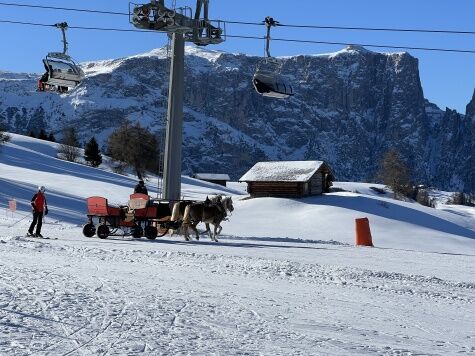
<point x="293" y="179"/>
<point x="215" y="178"/>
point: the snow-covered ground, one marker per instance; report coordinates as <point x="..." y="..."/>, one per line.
<point x="284" y="279"/>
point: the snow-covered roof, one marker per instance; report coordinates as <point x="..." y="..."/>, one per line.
<point x="282" y="171"/>
<point x="212" y="176"/>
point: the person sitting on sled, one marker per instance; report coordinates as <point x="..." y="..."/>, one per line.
<point x="141" y="188"/>
<point x="40" y="207"/>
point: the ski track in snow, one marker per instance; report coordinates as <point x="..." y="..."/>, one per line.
<point x="78" y="296"/>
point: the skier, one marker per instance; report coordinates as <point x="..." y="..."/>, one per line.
<point x="39" y="206"/>
<point x="141" y="188"/>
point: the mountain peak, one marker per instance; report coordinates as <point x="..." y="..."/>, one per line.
<point x="470" y="111"/>
<point x="357" y="48"/>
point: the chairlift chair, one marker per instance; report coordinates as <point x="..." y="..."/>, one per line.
<point x="61" y="70"/>
<point x="268" y="80"/>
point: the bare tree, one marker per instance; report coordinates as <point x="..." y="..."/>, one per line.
<point x="69" y="147"/>
<point x="136" y="146"/>
<point x="394" y="173"/>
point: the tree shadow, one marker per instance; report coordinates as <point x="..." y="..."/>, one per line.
<point x="63" y="207"/>
<point x="283" y="240"/>
<point x="29" y="159"/>
<point x="433" y="252"/>
<point x="38" y="317"/>
<point x="211" y="243"/>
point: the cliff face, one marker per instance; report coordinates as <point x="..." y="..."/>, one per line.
<point x="349" y="108"/>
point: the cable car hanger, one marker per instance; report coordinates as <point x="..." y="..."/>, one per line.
<point x="269" y="22"/>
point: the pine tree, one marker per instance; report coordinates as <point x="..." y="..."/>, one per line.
<point x="92" y="154"/>
<point x="32" y="134"/>
<point x="51" y="137"/>
<point x="42" y="135"/>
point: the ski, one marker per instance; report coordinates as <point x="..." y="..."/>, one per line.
<point x="40" y="238"/>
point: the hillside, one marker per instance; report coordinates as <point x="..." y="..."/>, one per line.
<point x="26" y="163"/>
<point x="284" y="279"/>
<point x="349" y="108"/>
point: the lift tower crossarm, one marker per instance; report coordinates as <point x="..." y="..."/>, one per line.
<point x="199" y="30"/>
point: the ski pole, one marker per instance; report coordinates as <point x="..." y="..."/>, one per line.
<point x="23" y="218"/>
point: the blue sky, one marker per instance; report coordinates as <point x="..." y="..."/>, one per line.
<point x="448" y="79"/>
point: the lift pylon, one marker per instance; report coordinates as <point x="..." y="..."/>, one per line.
<point x="183" y="27"/>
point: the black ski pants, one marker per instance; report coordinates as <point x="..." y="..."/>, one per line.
<point x="38" y="221"/>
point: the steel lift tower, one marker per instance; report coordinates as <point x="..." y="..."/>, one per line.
<point x="181" y="26"/>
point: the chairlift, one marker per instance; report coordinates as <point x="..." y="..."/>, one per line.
<point x="268" y="80"/>
<point x="61" y="72"/>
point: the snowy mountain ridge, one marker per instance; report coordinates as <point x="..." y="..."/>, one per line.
<point x="349" y="108"/>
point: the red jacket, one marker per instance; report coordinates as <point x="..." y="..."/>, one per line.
<point x="38" y="202"/>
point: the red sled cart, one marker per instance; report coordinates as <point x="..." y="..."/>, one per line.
<point x="140" y="217"/>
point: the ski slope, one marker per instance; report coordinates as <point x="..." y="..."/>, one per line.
<point x="284" y="279"/>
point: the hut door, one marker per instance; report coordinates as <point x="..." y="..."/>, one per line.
<point x="326" y="185"/>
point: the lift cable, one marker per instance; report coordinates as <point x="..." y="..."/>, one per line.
<point x="358" y="44"/>
<point x="25" y="23"/>
<point x="76" y="27"/>
<point x="260" y="38"/>
<point x="381" y="29"/>
<point x="64" y="9"/>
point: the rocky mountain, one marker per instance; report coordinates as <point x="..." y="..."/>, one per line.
<point x="349" y="108"/>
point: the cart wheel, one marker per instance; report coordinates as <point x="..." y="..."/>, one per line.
<point x="103" y="231"/>
<point x="151" y="232"/>
<point x="137" y="232"/>
<point x="89" y="230"/>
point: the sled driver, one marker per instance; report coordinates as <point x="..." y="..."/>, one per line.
<point x="141" y="188"/>
<point x="40" y="208"/>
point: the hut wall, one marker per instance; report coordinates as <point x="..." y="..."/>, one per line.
<point x="275" y="189"/>
<point x="316" y="184"/>
<point x="220" y="182"/>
